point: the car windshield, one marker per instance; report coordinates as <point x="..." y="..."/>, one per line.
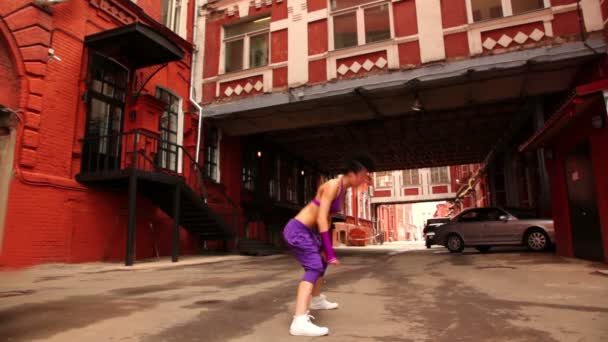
<point x="510" y="213"/>
<point x="482" y="214"/>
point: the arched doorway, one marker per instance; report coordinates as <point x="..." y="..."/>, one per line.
<point x="9" y="103"/>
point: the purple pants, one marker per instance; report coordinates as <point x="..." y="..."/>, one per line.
<point x="306" y="247"/>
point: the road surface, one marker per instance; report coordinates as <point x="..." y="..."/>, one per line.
<point x="392" y="293"/>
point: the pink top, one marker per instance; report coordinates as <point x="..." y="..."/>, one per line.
<point x="336" y="204"/>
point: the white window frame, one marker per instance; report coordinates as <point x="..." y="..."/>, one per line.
<point x="359" y="9"/>
<point x="448" y="176"/>
<point x="507" y="10"/>
<point x="178" y="26"/>
<point x="389" y="174"/>
<point x="246" y="46"/>
<point x="403" y="180"/>
<point x="180" y="127"/>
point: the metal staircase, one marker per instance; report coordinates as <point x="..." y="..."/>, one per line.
<point x="164" y="172"/>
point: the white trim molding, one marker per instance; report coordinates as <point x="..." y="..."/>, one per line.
<point x="430" y="30"/>
<point x="592" y="15"/>
<point x="297" y="61"/>
<point x="265" y="72"/>
<point x="279" y="25"/>
<point x="317" y="15"/>
<point x="476" y="29"/>
<point x="390" y="46"/>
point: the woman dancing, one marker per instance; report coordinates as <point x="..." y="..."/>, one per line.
<point x="308" y="236"/>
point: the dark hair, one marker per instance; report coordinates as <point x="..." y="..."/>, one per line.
<point x="358" y="162"/>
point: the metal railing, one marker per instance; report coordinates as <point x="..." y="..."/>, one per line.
<point x="141" y="150"/>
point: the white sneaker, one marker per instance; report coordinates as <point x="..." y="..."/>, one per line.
<point x="302" y="326"/>
<point x="321" y="303"/>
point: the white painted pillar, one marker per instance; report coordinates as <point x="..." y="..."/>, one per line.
<point x="592" y="14"/>
<point x="7" y="150"/>
<point x="297" y="45"/>
<point x="201" y="18"/>
<point x="430" y="30"/>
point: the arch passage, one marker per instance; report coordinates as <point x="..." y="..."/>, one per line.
<point x="9" y="96"/>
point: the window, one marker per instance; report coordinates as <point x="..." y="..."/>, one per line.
<point x="470" y="216"/>
<point x="486" y="9"/>
<point x="358" y="25"/>
<point x="212" y="156"/>
<point x="411" y="177"/>
<point x="294" y="173"/>
<point x="384" y="179"/>
<point x="492" y="9"/>
<point x="522" y="6"/>
<point x="377" y="23"/>
<point x="275" y="180"/>
<point x="168" y="146"/>
<point x="439" y="175"/>
<point x="292" y="182"/>
<point x="250" y="169"/>
<point x="106" y="101"/>
<point x="494" y="214"/>
<point x="246" y="45"/>
<point x="308" y="188"/>
<point x="170" y="14"/>
<point x="345" y="30"/>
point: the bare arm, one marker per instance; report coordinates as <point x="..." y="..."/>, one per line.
<point x="328" y="195"/>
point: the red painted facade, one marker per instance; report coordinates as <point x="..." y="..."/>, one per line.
<point x="50" y="217"/>
<point x="566" y="131"/>
<point x="461" y="38"/>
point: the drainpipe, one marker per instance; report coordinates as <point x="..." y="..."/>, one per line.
<point x="192" y="75"/>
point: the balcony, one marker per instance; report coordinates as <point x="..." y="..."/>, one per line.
<point x="163" y="171"/>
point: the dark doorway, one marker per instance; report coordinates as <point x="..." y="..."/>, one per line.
<point x="107" y="83"/>
<point x="584" y="218"/>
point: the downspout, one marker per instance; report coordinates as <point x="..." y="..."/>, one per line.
<point x="193" y="68"/>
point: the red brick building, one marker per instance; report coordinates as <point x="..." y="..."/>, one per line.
<point x="99" y="116"/>
<point x="91" y="88"/>
<point x="461" y="186"/>
<point x="574" y="140"/>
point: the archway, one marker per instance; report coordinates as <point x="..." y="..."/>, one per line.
<point x="9" y="103"/>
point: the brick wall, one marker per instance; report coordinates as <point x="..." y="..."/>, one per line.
<point x="50" y="217"/>
<point x="9" y="96"/>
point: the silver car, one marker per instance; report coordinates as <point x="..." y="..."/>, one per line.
<point x="483" y="228"/>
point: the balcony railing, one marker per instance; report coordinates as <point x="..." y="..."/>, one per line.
<point x="113" y="155"/>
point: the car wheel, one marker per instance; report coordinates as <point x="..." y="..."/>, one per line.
<point x="483" y="249"/>
<point x="537" y="240"/>
<point x="454" y="243"/>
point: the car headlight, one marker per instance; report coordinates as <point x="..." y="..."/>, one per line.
<point x="431" y="234"/>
